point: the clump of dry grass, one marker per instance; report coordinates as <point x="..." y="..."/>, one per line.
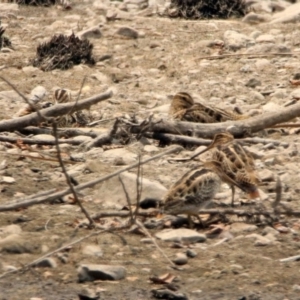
<point x="207" y="9"/>
<point x="62" y="52"/>
<point x="35" y="2"/>
<point x="4" y="40"/>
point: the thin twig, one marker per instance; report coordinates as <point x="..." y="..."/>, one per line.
<point x="51" y="253"/>
<point x="32" y="200"/>
<point x="278" y="190"/>
<point x="146" y="232"/>
<point x="29" y="141"/>
<point x="36" y="157"/>
<point x="33" y="107"/>
<point x="128" y="200"/>
<point x="68" y="179"/>
<point x="139" y="187"/>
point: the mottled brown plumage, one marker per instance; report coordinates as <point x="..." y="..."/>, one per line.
<point x="192" y="192"/>
<point x="234" y="164"/>
<point x="184" y="108"/>
<point x="62" y="96"/>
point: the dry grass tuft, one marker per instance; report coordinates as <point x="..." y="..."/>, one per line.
<point x="207" y="9"/>
<point x="62" y="52"/>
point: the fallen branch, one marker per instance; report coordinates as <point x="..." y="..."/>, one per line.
<point x="237" y="128"/>
<point x="291" y="258"/>
<point x="123" y="214"/>
<point x="54" y="111"/>
<point x="105" y="138"/>
<point x="41" y="199"/>
<point x="37" y="141"/>
<point x="178" y="139"/>
<point x="67" y="132"/>
<point x="287" y="125"/>
<point x="256" y="140"/>
<point x="224" y="211"/>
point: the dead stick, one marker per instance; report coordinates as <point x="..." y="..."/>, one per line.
<point x="51" y="253"/>
<point x="228" y="211"/>
<point x="287" y="125"/>
<point x="38" y="158"/>
<point x="39" y="200"/>
<point x="69" y="132"/>
<point x="173" y="138"/>
<point x="37" y="142"/>
<point x="236" y="128"/>
<point x="56" y="110"/>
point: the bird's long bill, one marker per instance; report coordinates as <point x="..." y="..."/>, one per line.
<point x="201" y="152"/>
<point x="254" y="194"/>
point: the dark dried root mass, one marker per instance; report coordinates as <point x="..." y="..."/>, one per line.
<point x="4" y="41"/>
<point x="207" y="9"/>
<point x="62" y="52"/>
<point x="36" y="2"/>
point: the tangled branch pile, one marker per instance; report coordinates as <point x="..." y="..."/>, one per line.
<point x="4" y="41"/>
<point x="62" y="52"/>
<point x="207" y="9"/>
<point x="36" y="2"/>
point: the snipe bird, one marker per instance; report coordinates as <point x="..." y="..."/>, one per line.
<point x="192" y="192"/>
<point x="234" y="164"/>
<point x="184" y="108"/>
<point x="62" y="96"/>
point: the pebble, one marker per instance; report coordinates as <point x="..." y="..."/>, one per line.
<point x="253" y="18"/>
<point x="10" y="229"/>
<point x="253" y="82"/>
<point x="127" y="156"/>
<point x="265" y="38"/>
<point x="191" y="253"/>
<point x="127" y="32"/>
<point x="92" y="250"/>
<point x="91" y="272"/>
<point x="46" y="263"/>
<point x="266" y="175"/>
<point x="180" y="259"/>
<point x="16" y="244"/>
<point x="181" y="234"/>
<point x="235" y="40"/>
<point x="167" y="294"/>
<point x="242" y="227"/>
<point x="7" y="179"/>
<point x="93" y="32"/>
<point x="112" y="193"/>
<point x="268" y="230"/>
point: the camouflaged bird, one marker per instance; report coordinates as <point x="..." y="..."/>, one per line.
<point x="192" y="192"/>
<point x="184" y="108"/>
<point x="234" y="164"/>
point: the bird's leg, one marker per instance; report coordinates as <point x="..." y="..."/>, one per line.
<point x="191" y="223"/>
<point x="232" y="196"/>
<point x="200" y="220"/>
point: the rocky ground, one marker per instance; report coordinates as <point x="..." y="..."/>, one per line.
<point x="161" y="56"/>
